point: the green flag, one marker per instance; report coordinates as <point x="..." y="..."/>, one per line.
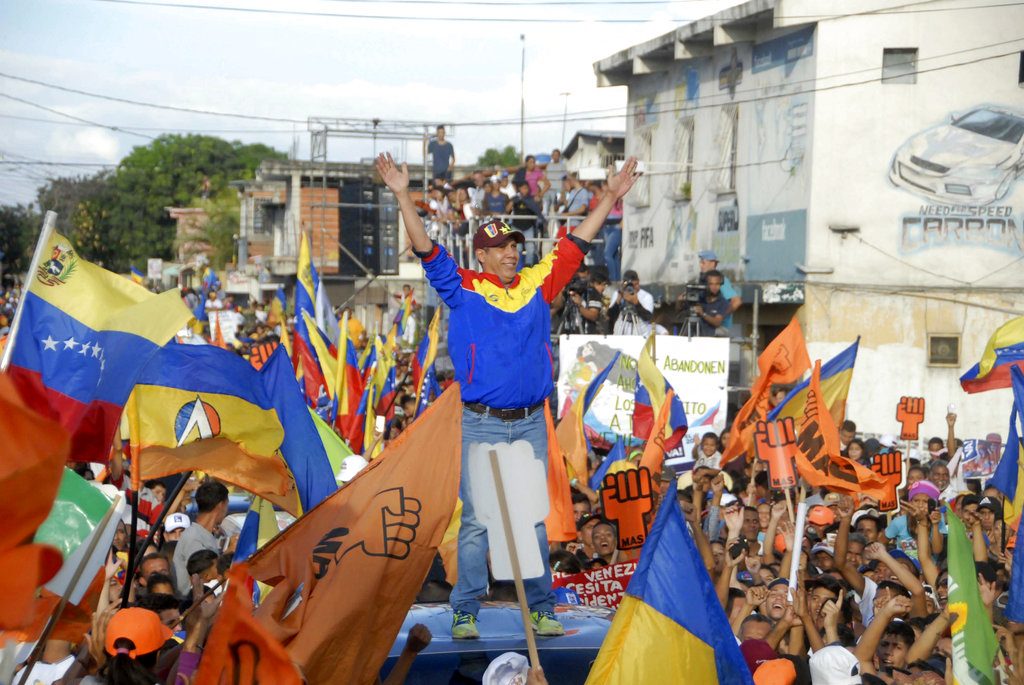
<point x="974" y="641"/>
<point x="335" y="447"/>
<point x="73" y="521"/>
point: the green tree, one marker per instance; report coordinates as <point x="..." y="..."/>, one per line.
<point x="19" y="229"/>
<point x="492" y="156"/>
<point x="121" y="218"/>
<point x="83" y="205"/>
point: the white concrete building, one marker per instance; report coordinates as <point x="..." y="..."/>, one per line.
<point x="858" y="164"/>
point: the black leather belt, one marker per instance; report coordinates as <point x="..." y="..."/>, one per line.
<point x="503" y="414"/>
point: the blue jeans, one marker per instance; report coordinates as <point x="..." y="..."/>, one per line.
<point x="612" y="243"/>
<point x="472" y="581"/>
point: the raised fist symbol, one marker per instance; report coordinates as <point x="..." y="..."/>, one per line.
<point x="626" y="497"/>
<point x="775" y="442"/>
<point x="910" y="414"/>
<point x="889" y="466"/>
<point x="392" y="537"/>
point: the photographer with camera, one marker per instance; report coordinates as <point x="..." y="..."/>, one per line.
<point x="708" y="263"/>
<point x="713" y="307"/>
<point x="631" y="308"/>
<point x="583" y="311"/>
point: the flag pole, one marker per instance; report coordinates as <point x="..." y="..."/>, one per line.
<point x="59" y="609"/>
<point x="49" y="221"/>
<point x="513" y="555"/>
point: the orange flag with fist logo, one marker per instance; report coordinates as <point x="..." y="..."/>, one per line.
<point x="345" y="574"/>
<point x="784" y="360"/>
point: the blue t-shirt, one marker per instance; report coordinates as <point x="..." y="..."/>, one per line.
<point x="727" y="292"/>
<point x="495" y="205"/>
<point x="442" y="152"/>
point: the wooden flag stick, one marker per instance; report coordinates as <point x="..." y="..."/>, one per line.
<point x="513" y="555"/>
<point x="49" y="221"/>
<point x="37" y="651"/>
<point x="789" y="503"/>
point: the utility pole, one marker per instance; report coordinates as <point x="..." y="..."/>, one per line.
<point x="565" y="113"/>
<point x="522" y="101"/>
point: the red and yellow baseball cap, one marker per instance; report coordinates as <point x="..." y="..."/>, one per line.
<point x="495" y="234"/>
<point x="141" y="626"/>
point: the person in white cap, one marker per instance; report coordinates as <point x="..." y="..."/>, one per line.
<point x="174" y="525"/>
<point x="350" y="467"/>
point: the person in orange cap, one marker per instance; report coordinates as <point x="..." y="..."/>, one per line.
<point x="133" y="641"/>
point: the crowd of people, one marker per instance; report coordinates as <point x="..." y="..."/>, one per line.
<point x="542" y="200"/>
<point x="850" y="592"/>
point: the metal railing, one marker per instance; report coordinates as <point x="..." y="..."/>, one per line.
<point x="459" y="243"/>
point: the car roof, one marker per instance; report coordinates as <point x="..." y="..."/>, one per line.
<point x="501" y="629"/>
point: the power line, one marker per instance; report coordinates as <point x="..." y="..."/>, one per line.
<point x="46" y="163"/>
<point x="72" y="116"/>
<point x="139" y="103"/>
<point x="536" y="119"/>
<point x="611" y="113"/>
<point x="55" y="122"/>
<point x="386" y="17"/>
<point x="620" y="111"/>
<point x="538" y="20"/>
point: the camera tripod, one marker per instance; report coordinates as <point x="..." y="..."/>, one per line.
<point x="691" y="326"/>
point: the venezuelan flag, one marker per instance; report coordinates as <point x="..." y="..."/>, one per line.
<point x="423" y="360"/>
<point x="276" y="313"/>
<point x="259" y="527"/>
<point x="137" y="276"/>
<point x="402" y="317"/>
<point x="836" y="376"/>
<point x="305" y="302"/>
<point x="571" y="431"/>
<point x="1004" y="351"/>
<point x="200" y="407"/>
<point x="84" y="337"/>
<point x="651" y="390"/>
<point x="210" y="280"/>
<point x="1009" y="474"/>
<point x="669" y="627"/>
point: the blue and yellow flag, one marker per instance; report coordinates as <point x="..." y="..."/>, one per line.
<point x="197" y="407"/>
<point x="1004" y="350"/>
<point x="423" y="361"/>
<point x="670" y="627"/>
<point x="137" y="276"/>
<point x="1009" y="475"/>
<point x="651" y="390"/>
<point x="571" y="432"/>
<point x="836" y="376"/>
<point x="84" y="336"/>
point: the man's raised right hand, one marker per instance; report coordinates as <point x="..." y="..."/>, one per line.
<point x="394" y="178"/>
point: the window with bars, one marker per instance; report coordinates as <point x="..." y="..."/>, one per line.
<point x="899" y="65"/>
<point x="644" y="139"/>
<point x="683" y="185"/>
<point x="728" y="127"/>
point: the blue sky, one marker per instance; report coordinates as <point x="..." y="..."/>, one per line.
<point x="297" y="66"/>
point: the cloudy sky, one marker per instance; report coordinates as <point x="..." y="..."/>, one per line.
<point x="418" y="60"/>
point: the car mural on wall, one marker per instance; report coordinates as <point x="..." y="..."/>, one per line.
<point x="974" y="159"/>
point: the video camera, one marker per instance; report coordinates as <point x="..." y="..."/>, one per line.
<point x="694" y="293"/>
<point x="578" y="286"/>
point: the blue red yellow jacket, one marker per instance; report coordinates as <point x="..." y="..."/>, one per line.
<point x="499" y="338"/>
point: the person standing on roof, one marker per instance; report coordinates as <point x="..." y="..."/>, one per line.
<point x="499" y="340"/>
